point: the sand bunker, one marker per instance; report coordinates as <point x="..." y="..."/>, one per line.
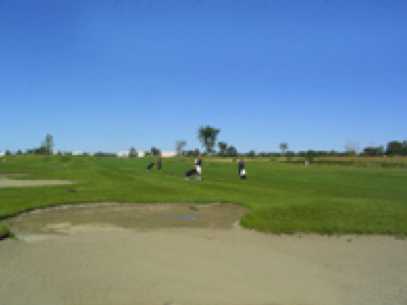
<point x="187" y="254"/>
<point x="6" y="181"/>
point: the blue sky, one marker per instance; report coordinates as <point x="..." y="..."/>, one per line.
<point x="107" y="75"/>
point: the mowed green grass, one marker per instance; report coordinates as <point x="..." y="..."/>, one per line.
<point x="281" y="198"/>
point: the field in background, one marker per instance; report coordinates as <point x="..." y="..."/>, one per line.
<point x="361" y="161"/>
<point x="358" y="161"/>
<point x="363" y="197"/>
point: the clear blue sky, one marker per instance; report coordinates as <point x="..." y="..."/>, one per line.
<point x="107" y="75"/>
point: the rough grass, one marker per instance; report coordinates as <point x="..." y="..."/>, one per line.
<point x="281" y="198"/>
<point x="4" y="231"/>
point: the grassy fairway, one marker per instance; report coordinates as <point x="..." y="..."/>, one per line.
<point x="280" y="197"/>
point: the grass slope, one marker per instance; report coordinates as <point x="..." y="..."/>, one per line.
<point x="282" y="198"/>
<point x="4" y="231"/>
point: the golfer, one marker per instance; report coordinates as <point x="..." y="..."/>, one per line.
<point x="198" y="166"/>
<point x="241" y="169"/>
<point x="159" y="163"/>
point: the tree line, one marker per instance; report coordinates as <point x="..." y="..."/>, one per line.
<point x="208" y="137"/>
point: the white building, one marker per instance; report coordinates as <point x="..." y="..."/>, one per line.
<point x="2" y="153"/>
<point x="123" y="154"/>
<point x="168" y="154"/>
<point x="126" y="153"/>
<point x="77" y="153"/>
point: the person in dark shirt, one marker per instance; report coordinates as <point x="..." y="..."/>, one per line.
<point x="241" y="169"/>
<point x="150" y="166"/>
<point x="159" y="163"/>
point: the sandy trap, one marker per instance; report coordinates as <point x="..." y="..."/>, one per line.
<point x="6" y="181"/>
<point x="189" y="254"/>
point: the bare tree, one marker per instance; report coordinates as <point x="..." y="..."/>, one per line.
<point x="351" y="148"/>
<point x="179" y="146"/>
<point x="47" y="147"/>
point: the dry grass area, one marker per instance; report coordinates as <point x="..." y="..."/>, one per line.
<point x="9" y="181"/>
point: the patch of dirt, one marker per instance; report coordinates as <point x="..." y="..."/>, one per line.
<point x="63" y="218"/>
<point x="190" y="255"/>
<point x="5" y="181"/>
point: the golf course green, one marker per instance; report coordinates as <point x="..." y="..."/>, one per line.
<point x="280" y="197"/>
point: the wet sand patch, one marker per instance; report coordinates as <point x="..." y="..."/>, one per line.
<point x="190" y="255"/>
<point x="61" y="219"/>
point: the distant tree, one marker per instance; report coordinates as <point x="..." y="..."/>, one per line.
<point x="231" y="151"/>
<point x="373" y="151"/>
<point x="207" y="135"/>
<point x="192" y="153"/>
<point x="251" y="153"/>
<point x="179" y="147"/>
<point x="222" y="148"/>
<point x="283" y="147"/>
<point x="332" y="153"/>
<point x="196" y="152"/>
<point x="133" y="153"/>
<point x="47" y="146"/>
<point x="394" y="148"/>
<point x="309" y="156"/>
<point x="351" y="148"/>
<point x="264" y="154"/>
<point x="19" y="152"/>
<point x="155" y="151"/>
<point x="289" y="155"/>
<point x="99" y="154"/>
<point x="8" y="152"/>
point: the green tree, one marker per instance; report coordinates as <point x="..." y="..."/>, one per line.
<point x="394" y="148"/>
<point x="405" y="148"/>
<point x="155" y="151"/>
<point x="207" y="135"/>
<point x="231" y="151"/>
<point x="133" y="153"/>
<point x="309" y="156"/>
<point x="283" y="147"/>
<point x="251" y="154"/>
<point x="222" y="148"/>
<point x="373" y="151"/>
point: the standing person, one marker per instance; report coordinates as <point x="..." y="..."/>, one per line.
<point x="198" y="166"/>
<point x="150" y="166"/>
<point x="159" y="163"/>
<point x="241" y="169"/>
